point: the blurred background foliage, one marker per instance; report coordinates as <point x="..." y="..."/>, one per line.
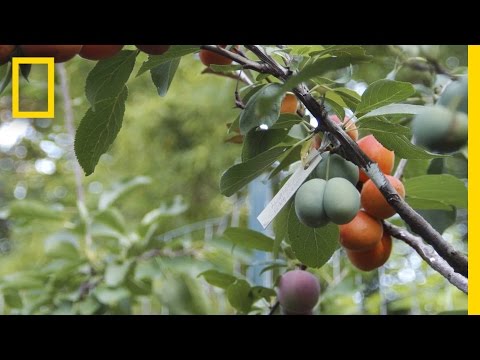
<point x="154" y="213"/>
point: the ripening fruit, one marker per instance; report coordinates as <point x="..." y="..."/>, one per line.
<point x="289" y="104"/>
<point x="61" y="53"/>
<point x="341" y="200"/>
<point x="362" y="233"/>
<point x="377" y="153"/>
<point x="210" y="58"/>
<point x="439" y="129"/>
<point x="369" y="260"/>
<point x="298" y="292"/>
<point x="374" y="202"/>
<point x="348" y="125"/>
<point x="5" y="52"/>
<point x="455" y="95"/>
<point x="333" y="165"/>
<point x="309" y="203"/>
<point x="316" y="141"/>
<point x="153" y="49"/>
<point x="99" y="52"/>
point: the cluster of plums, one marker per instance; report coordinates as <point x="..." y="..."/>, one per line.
<point x="63" y="53"/>
<point x="443" y="127"/>
<point x="332" y="196"/>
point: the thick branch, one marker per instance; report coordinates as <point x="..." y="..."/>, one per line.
<point x="353" y="153"/>
<point x="429" y="255"/>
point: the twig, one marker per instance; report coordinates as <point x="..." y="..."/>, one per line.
<point x="274" y="308"/>
<point x="430" y="256"/>
<point x="69" y="124"/>
<point x="228" y="75"/>
<point x="400" y="168"/>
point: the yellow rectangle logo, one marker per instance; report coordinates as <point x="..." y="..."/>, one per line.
<point x="16" y="113"/>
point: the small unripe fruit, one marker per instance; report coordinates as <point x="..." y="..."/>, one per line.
<point x="377" y="153"/>
<point x="208" y="57"/>
<point x="289" y="104"/>
<point x="333" y="165"/>
<point x="369" y="260"/>
<point x="309" y="203"/>
<point x="153" y="49"/>
<point x="5" y="53"/>
<point x="99" y="52"/>
<point x="439" y="129"/>
<point x="341" y="200"/>
<point x="348" y="125"/>
<point x="362" y="233"/>
<point x="455" y="95"/>
<point x="375" y="203"/>
<point x="61" y="53"/>
<point x="298" y="292"/>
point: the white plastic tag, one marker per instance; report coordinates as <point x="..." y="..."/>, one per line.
<point x="289" y="189"/>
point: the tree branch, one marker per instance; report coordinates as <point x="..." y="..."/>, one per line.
<point x="69" y="124"/>
<point x="352" y="152"/>
<point x="429" y="255"/>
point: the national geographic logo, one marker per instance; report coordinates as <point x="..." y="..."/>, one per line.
<point x="16" y="112"/>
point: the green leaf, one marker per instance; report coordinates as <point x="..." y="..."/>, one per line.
<point x="377" y="125"/>
<point x="426" y="204"/>
<point x="240" y="175"/>
<point x="350" y="97"/>
<point x="403" y="147"/>
<point x="280" y="226"/>
<point x="115" y="273"/>
<point x="217" y="278"/>
<point x="258" y="141"/>
<point x="312" y="246"/>
<point x="439" y="219"/>
<point x="110" y="296"/>
<point x="291" y="155"/>
<point x="286" y="121"/>
<point x="384" y="92"/>
<point x="6" y="79"/>
<point x="12" y="299"/>
<point x="175" y="51"/>
<point x="120" y="189"/>
<point x="336" y="102"/>
<point x="25" y="70"/>
<point x="454" y="312"/>
<point x="108" y="78"/>
<point x="446" y="189"/>
<point x="260" y="292"/>
<point x="320" y="67"/>
<point x="61" y="246"/>
<point x="113" y="218"/>
<point x="258" y="111"/>
<point x="225" y="68"/>
<point x="351" y="51"/>
<point x="21" y="281"/>
<point x="163" y="74"/>
<point x="249" y="239"/>
<point x="98" y="129"/>
<point x="239" y="296"/>
<point x="33" y="210"/>
<point x="178" y="207"/>
<point x="394" y="109"/>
